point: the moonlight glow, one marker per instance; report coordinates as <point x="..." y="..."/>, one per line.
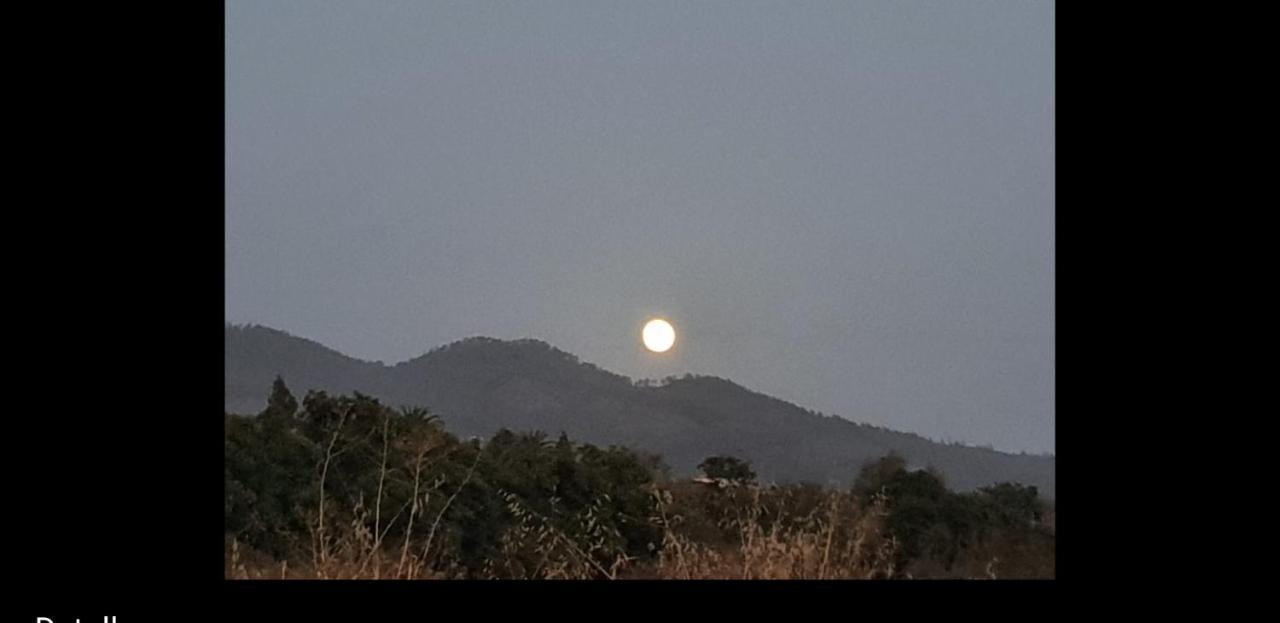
<point x="658" y="335"/>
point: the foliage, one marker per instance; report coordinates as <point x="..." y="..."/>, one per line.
<point x="344" y="486"/>
<point x="930" y="522"/>
<point x="728" y="468"/>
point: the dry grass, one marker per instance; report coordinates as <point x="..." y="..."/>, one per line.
<point x="835" y="540"/>
<point x="535" y="548"/>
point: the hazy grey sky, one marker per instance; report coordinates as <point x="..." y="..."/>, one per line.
<point x="848" y="205"/>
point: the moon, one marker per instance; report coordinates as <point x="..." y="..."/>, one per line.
<point x="658" y="335"/>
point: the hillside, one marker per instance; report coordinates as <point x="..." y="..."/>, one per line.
<point x="480" y="385"/>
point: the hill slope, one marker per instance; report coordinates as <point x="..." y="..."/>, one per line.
<point x="480" y="385"/>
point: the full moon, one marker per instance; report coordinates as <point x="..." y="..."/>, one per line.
<point x="658" y="335"/>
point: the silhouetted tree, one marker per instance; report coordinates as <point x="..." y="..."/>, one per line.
<point x="874" y="475"/>
<point x="281" y="405"/>
<point x="727" y="467"/>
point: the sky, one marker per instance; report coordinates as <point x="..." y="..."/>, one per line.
<point x="848" y="205"/>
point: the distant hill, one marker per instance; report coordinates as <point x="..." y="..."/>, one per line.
<point x="480" y="385"/>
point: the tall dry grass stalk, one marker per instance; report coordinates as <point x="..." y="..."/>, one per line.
<point x="358" y="549"/>
<point x="320" y="551"/>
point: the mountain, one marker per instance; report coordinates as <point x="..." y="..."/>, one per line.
<point x="480" y="385"/>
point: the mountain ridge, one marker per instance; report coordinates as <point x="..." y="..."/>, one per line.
<point x="480" y="384"/>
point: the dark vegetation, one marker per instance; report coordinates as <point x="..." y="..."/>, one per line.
<point x="483" y="385"/>
<point x="346" y="487"/>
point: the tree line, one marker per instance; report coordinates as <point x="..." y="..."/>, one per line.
<point x="347" y="487"/>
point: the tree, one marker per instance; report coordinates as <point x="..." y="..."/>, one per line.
<point x="1011" y="505"/>
<point x="874" y="475"/>
<point x="281" y="404"/>
<point x="924" y="517"/>
<point x="727" y="467"/>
